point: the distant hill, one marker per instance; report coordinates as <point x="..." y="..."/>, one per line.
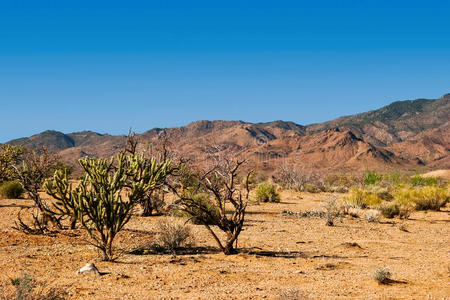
<point x="407" y="134"/>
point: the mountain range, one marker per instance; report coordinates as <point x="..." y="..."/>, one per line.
<point x="407" y="135"/>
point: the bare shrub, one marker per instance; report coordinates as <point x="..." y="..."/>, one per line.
<point x="36" y="167"/>
<point x="340" y="183"/>
<point x="294" y="177"/>
<point x="382" y="276"/>
<point x="305" y="214"/>
<point x="332" y="211"/>
<point x="221" y="184"/>
<point x="402" y="227"/>
<point x="173" y="235"/>
<point x="373" y="216"/>
<point x="354" y="212"/>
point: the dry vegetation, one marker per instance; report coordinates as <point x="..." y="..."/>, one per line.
<point x="223" y="234"/>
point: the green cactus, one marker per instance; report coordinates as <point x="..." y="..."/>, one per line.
<point x="97" y="202"/>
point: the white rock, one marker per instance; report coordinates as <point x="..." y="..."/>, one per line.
<point x="88" y="269"/>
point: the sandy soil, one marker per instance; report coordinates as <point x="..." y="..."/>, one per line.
<point x="320" y="262"/>
<point x="445" y="174"/>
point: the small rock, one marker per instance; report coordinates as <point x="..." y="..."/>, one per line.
<point x="88" y="269"/>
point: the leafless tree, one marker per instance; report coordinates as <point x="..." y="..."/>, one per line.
<point x="35" y="168"/>
<point x="294" y="177"/>
<point x="220" y="182"/>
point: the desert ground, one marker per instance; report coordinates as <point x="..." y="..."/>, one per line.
<point x="281" y="257"/>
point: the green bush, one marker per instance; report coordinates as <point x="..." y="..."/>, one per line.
<point x="11" y="190"/>
<point x="196" y="214"/>
<point x="371" y="177"/>
<point x="266" y="192"/>
<point x="418" y="180"/>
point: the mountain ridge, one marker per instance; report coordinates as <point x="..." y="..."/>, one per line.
<point x="404" y="134"/>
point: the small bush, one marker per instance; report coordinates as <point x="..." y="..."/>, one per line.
<point x="382" y="276"/>
<point x="396" y="208"/>
<point x="173" y="235"/>
<point x="371" y="177"/>
<point x="340" y="181"/>
<point x="372" y="216"/>
<point x="402" y="227"/>
<point x="332" y="211"/>
<point x="354" y="212"/>
<point x="362" y="198"/>
<point x="11" y="190"/>
<point x="266" y="192"/>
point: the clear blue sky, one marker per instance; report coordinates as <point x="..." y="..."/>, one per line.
<point x="110" y="65"/>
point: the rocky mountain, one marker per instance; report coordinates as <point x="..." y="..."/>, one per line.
<point x="407" y="134"/>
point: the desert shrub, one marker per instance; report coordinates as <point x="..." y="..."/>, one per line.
<point x="354" y="212"/>
<point x="423" y="198"/>
<point x="173" y="235"/>
<point x="292" y="177"/>
<point x="27" y="288"/>
<point x="267" y="192"/>
<point x="371" y="177"/>
<point x="203" y="212"/>
<point x="362" y="198"/>
<point x="372" y="216"/>
<point x="382" y="276"/>
<point x="381" y="192"/>
<point x="402" y="227"/>
<point x="11" y="190"/>
<point x="431" y="197"/>
<point x="418" y="180"/>
<point x="340" y="183"/>
<point x="332" y="211"/>
<point x="396" y="208"/>
<point x="35" y="168"/>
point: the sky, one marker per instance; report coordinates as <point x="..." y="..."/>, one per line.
<point x="110" y="65"/>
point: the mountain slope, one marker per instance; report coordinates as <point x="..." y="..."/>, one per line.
<point x="394" y="123"/>
<point x="405" y="134"/>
